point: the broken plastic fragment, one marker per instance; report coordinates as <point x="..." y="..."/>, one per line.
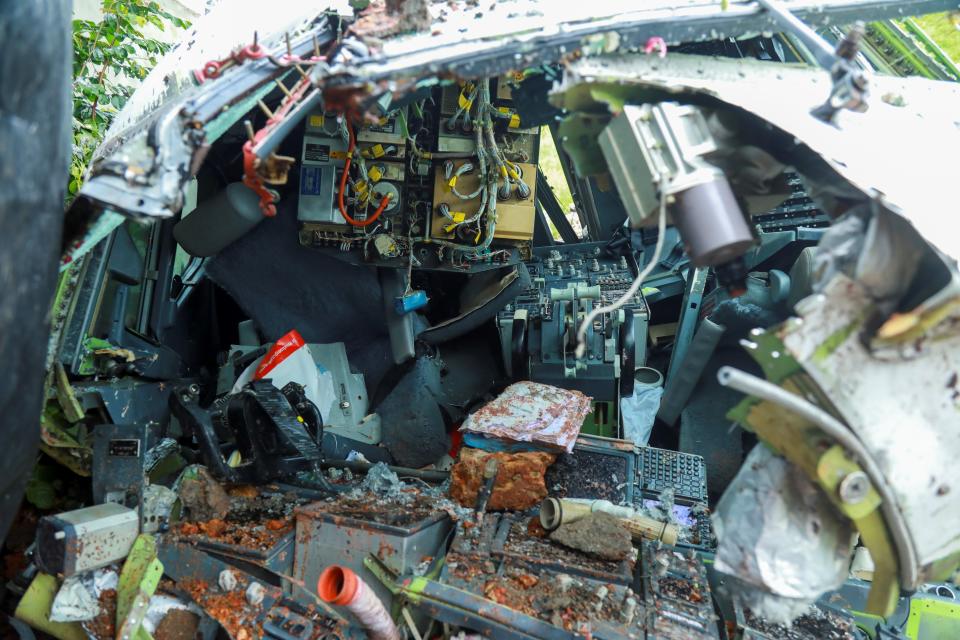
<point x="380" y="479"/>
<point x="227" y="581"/>
<point x="255" y="593"/>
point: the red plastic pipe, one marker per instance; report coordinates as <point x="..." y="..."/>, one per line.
<point x="343" y="188"/>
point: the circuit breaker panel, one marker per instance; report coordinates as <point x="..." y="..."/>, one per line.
<point x="321" y="165"/>
<point x="445" y="182"/>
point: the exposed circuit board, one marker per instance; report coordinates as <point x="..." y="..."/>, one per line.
<point x="445" y="182"/>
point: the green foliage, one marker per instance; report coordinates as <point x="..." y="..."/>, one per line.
<point x="54" y="487"/>
<point x="944" y="29"/>
<point x="44" y="487"/>
<point x="110" y="58"/>
<point x="550" y="166"/>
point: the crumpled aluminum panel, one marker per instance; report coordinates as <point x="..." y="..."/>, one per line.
<point x="903" y="406"/>
<point x="780" y="537"/>
<point x="912" y="172"/>
<point x="227" y="26"/>
<point x="470" y="33"/>
<point x="532" y="412"/>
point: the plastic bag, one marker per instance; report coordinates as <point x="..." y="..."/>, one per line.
<point x="639" y="412"/>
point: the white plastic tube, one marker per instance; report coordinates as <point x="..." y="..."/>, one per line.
<point x="342" y="587"/>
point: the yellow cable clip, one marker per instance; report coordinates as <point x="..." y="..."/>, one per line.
<point x="514" y="117"/>
<point x="457" y="217"/>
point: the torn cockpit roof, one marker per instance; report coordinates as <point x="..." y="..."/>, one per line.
<point x="228" y="26"/>
<point x="466" y="35"/>
<point x="900" y="153"/>
<point x="149" y="155"/>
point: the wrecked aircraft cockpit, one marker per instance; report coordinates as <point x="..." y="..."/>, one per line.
<point x="338" y="362"/>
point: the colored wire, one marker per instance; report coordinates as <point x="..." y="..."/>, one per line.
<point x="343" y="187"/>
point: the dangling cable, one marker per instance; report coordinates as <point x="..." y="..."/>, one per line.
<point x="409" y="288"/>
<point x="638" y="281"/>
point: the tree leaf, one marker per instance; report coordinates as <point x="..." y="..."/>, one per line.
<point x="117" y="41"/>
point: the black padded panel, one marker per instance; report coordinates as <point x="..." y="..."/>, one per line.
<point x="483" y="296"/>
<point x="411" y="421"/>
<point x="705" y="429"/>
<point x="282" y="286"/>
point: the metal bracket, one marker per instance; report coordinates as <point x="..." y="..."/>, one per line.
<point x="827" y="464"/>
<point x="689" y="316"/>
<point x="139" y="578"/>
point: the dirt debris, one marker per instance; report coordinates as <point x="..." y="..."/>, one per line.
<point x="384" y="18"/>
<point x="243" y="491"/>
<point x="381" y="497"/>
<point x="535" y="528"/>
<point x="178" y="624"/>
<point x="404" y="509"/>
<point x="589" y="474"/>
<point x="560" y="599"/>
<point x="599" y="535"/>
<point x="257" y="523"/>
<point x="104" y="625"/>
<point x="203" y="498"/>
<point x="815" y="625"/>
<point x="231" y="609"/>
<point x="520" y="479"/>
<point x="680" y="589"/>
<point x="255" y="537"/>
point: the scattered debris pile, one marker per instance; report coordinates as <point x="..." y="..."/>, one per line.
<point x="584" y="473"/>
<point x="595" y="564"/>
<point x="408" y="506"/>
<point x="675" y="582"/>
<point x="564" y="601"/>
<point x="251" y="518"/>
<point x="242" y="557"/>
<point x="228" y="604"/>
<point x="816" y="624"/>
